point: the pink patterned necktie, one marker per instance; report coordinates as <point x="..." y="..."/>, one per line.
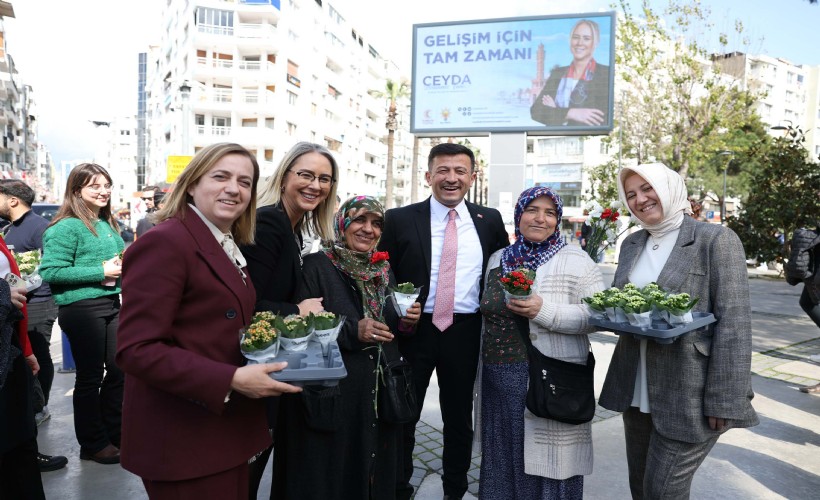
<point x="446" y="286"/>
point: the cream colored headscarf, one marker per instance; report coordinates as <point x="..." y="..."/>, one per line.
<point x="671" y="191"/>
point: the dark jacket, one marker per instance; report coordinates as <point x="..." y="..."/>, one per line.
<point x="274" y="261"/>
<point x="592" y="93"/>
<point x="407" y="237"/>
<point x="26" y="234"/>
<point x="359" y="459"/>
<point x="178" y="344"/>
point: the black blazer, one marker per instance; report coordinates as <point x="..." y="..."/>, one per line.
<point x="407" y="237"/>
<point x="586" y="94"/>
<point x="273" y="261"/>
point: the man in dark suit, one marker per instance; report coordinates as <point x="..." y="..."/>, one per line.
<point x="442" y="245"/>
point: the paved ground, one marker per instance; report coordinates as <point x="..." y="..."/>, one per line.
<point x="777" y="459"/>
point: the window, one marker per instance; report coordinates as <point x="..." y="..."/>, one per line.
<point x="334" y="15"/>
<point x="293" y="68"/>
<point x="313" y="109"/>
<point x="329" y="115"/>
<point x="214" y="17"/>
<point x="249" y="122"/>
<point x="291" y="128"/>
<point x="268" y="155"/>
<point x="573" y="146"/>
<point x="292" y="98"/>
<point x="269" y="123"/>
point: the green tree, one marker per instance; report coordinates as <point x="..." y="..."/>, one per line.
<point x="676" y="105"/>
<point x="603" y="182"/>
<point x="393" y="92"/>
<point x="786" y="196"/>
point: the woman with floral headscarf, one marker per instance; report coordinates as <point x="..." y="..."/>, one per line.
<point x="678" y="398"/>
<point x="330" y="443"/>
<point x="516" y="464"/>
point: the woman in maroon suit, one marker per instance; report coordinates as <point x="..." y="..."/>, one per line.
<point x="191" y="415"/>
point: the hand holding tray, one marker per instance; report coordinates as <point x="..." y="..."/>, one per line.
<point x="309" y="367"/>
<point x="661" y="331"/>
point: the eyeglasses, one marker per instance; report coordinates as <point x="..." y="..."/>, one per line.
<point x="96" y="188"/>
<point x="308" y="177"/>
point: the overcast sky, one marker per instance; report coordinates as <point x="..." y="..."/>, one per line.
<point x="80" y="57"/>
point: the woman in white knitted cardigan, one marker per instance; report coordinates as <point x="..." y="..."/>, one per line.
<point x="524" y="456"/>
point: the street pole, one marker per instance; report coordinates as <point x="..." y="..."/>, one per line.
<point x="731" y="155"/>
<point x="185" y="90"/>
<point x="723" y="199"/>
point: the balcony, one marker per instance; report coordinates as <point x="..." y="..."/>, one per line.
<point x="216" y="132"/>
<point x="225" y="69"/>
<point x="260" y="35"/>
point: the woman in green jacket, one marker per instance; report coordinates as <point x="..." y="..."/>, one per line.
<point x="81" y="261"/>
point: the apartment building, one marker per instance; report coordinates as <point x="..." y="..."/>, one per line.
<point x="11" y="123"/>
<point x="267" y="74"/>
<point x="790" y="91"/>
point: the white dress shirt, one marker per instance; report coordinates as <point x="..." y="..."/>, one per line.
<point x="646" y="270"/>
<point x="468" y="261"/>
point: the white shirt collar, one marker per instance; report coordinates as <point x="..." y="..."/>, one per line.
<point x="230" y="248"/>
<point x="440" y="212"/>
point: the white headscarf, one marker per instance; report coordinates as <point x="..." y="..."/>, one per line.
<point x="671" y="191"/>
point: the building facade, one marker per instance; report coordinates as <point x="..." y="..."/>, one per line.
<point x="268" y="74"/>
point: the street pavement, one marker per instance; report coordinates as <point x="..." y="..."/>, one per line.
<point x="776" y="459"/>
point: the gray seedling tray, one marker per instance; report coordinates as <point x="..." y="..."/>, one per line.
<point x="661" y="331"/>
<point x="309" y="367"/>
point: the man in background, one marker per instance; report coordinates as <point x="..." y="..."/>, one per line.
<point x="23" y="234"/>
<point x="152" y="196"/>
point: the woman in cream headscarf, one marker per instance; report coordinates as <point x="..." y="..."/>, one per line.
<point x="678" y="398"/>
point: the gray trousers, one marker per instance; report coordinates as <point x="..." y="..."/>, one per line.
<point x="659" y="467"/>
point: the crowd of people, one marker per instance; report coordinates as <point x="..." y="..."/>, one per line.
<point x="162" y="387"/>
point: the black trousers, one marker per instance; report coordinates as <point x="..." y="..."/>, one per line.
<point x="812" y="309"/>
<point x="453" y="354"/>
<point x="91" y="328"/>
<point x="19" y="471"/>
<point x="41" y="317"/>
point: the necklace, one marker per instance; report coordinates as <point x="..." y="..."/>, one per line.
<point x="656" y="242"/>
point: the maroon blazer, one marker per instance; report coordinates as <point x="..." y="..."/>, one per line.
<point x="183" y="305"/>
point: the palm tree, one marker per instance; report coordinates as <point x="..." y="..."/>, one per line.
<point x="393" y="91"/>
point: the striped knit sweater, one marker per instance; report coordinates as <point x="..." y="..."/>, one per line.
<point x="554" y="449"/>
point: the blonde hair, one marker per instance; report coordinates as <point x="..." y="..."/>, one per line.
<point x="593" y="26"/>
<point x="320" y="220"/>
<point x="73" y="205"/>
<point x="176" y="202"/>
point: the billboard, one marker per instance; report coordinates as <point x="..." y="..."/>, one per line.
<point x="546" y="75"/>
<point x="174" y="166"/>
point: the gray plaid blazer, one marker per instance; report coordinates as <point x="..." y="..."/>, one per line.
<point x="706" y="372"/>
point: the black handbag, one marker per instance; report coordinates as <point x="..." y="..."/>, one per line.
<point x="397" y="399"/>
<point x="558" y="390"/>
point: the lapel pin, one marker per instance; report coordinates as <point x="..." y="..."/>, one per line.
<point x="480" y="216"/>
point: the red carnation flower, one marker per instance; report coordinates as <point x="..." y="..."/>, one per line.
<point x="378" y="257"/>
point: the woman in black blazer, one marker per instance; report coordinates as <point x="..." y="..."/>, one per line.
<point x="577" y="94"/>
<point x="300" y="193"/>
